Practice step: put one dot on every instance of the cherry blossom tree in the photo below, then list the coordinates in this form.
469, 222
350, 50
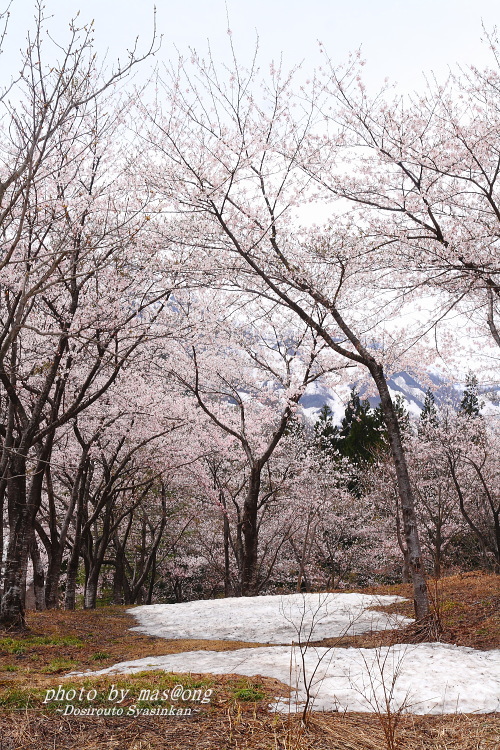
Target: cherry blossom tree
246, 378
421, 175
77, 298
470, 449
440, 521
108, 489
164, 307
230, 156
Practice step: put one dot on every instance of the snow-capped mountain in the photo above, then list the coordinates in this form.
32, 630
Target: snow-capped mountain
406, 385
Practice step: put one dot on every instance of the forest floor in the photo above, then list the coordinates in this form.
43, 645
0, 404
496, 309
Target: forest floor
236, 711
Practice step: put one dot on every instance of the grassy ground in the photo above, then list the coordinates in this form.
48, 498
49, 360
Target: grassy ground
226, 712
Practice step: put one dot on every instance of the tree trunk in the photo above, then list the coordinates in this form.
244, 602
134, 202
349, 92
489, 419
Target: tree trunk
227, 569
12, 612
152, 580
90, 599
71, 576
58, 538
405, 573
23, 507
38, 575
118, 575
414, 553
250, 533
74, 559
53, 575
92, 579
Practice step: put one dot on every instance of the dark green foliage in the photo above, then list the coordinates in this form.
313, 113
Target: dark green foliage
325, 432
469, 404
361, 433
429, 415
401, 414
361, 437
358, 440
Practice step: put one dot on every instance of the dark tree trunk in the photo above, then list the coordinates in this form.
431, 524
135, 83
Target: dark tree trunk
90, 600
23, 508
12, 613
438, 552
118, 576
152, 580
250, 533
38, 575
414, 553
74, 559
405, 574
58, 537
71, 576
92, 578
147, 563
227, 567
53, 576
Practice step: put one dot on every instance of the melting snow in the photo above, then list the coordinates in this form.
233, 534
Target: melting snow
426, 678
430, 678
268, 619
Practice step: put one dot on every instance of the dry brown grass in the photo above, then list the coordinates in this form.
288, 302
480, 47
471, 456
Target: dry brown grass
248, 729
469, 609
468, 606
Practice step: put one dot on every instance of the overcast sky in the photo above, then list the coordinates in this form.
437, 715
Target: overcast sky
399, 38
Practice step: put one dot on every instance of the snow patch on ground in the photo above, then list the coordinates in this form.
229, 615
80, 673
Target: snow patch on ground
269, 619
429, 678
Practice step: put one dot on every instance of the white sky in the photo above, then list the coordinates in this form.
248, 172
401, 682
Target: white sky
399, 38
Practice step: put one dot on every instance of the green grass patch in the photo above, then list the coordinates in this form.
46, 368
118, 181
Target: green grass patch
249, 692
20, 646
57, 666
17, 698
144, 689
16, 650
